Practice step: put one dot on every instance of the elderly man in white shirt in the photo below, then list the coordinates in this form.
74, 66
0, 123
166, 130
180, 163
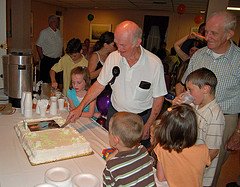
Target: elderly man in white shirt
139, 86
49, 47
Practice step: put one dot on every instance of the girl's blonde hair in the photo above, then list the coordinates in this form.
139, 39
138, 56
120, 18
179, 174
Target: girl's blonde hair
86, 76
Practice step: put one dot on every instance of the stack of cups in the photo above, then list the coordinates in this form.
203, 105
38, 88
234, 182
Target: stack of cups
22, 102
28, 105
53, 105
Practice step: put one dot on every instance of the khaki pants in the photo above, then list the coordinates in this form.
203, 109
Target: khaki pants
230, 126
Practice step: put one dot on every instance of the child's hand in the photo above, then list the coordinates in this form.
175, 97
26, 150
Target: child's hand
54, 85
109, 153
97, 114
177, 100
71, 107
185, 97
112, 155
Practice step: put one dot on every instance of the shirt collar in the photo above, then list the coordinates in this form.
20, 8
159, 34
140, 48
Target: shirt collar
129, 152
228, 54
140, 61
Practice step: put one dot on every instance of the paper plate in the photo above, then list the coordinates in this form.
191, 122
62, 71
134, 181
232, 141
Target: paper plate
45, 185
83, 180
58, 176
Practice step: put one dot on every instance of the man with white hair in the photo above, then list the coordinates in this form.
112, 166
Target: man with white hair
49, 47
221, 56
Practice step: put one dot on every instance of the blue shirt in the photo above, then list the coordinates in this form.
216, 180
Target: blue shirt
71, 94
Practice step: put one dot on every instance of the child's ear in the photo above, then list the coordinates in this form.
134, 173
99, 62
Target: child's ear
116, 140
206, 89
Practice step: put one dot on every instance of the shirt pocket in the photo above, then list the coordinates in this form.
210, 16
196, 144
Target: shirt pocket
141, 94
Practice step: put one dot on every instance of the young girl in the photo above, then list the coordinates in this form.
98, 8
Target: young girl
78, 89
180, 161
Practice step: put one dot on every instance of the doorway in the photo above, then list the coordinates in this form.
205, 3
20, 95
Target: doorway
154, 31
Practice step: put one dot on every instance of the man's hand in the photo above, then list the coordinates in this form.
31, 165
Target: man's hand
146, 131
74, 114
234, 142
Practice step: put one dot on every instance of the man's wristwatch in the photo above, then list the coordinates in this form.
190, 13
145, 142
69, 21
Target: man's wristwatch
238, 131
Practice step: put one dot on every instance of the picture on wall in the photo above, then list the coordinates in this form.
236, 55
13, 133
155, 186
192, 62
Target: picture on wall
97, 29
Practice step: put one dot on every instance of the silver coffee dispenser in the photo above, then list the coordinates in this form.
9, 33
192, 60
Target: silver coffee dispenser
18, 76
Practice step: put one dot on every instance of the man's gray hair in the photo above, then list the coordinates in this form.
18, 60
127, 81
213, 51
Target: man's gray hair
230, 20
52, 17
137, 34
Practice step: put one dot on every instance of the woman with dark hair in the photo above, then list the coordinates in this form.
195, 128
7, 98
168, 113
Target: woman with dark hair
185, 48
103, 47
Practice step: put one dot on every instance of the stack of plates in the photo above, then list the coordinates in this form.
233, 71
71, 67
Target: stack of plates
58, 176
83, 180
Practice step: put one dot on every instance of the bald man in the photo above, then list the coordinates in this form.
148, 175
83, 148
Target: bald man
140, 86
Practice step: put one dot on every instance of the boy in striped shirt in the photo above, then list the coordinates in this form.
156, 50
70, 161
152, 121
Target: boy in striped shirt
130, 163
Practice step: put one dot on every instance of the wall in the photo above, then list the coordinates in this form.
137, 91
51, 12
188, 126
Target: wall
76, 24
80, 26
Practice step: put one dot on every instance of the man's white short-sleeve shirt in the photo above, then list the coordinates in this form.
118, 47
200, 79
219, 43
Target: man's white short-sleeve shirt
127, 94
51, 42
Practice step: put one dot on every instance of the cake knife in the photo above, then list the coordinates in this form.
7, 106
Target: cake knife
65, 124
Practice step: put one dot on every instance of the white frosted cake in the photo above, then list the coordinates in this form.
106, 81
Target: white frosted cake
44, 142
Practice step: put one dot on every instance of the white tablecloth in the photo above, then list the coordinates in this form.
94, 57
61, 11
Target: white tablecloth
16, 170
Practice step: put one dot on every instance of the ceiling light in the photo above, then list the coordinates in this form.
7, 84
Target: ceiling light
228, 8
233, 8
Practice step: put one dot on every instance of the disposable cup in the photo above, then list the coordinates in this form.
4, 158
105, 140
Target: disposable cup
28, 101
43, 109
187, 98
61, 104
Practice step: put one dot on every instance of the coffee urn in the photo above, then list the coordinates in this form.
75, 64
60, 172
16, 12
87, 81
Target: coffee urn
18, 76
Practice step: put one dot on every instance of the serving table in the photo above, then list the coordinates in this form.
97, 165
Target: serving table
15, 168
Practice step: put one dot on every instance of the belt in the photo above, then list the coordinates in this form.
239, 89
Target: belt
144, 112
51, 57
229, 114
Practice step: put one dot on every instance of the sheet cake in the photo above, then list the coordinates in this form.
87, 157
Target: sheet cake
44, 141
